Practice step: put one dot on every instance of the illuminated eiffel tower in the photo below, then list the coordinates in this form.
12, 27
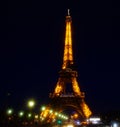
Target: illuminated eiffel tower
60, 99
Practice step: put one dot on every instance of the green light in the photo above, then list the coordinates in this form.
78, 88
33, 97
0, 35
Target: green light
59, 122
59, 115
9, 111
43, 108
21, 113
29, 115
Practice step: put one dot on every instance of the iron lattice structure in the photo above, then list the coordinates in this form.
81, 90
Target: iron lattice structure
60, 99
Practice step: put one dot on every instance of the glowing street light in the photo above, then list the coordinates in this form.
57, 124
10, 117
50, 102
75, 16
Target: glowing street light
31, 103
51, 111
21, 113
70, 125
29, 115
9, 111
43, 108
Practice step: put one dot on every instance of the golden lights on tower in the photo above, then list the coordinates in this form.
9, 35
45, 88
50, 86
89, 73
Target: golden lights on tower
86, 110
76, 88
69, 76
58, 89
68, 55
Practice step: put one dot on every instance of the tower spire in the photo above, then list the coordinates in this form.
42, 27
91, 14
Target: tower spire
68, 12
68, 55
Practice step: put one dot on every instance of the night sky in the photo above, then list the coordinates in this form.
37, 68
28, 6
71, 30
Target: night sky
32, 51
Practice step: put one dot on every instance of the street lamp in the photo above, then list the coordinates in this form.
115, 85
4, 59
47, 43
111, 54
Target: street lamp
31, 103
10, 111
21, 113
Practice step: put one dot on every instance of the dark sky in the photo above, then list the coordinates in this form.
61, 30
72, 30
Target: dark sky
32, 50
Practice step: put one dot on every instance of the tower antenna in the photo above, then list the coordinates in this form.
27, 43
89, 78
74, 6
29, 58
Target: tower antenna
68, 12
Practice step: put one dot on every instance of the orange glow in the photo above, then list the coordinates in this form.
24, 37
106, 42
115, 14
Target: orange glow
45, 113
58, 89
68, 76
86, 110
68, 55
75, 116
76, 88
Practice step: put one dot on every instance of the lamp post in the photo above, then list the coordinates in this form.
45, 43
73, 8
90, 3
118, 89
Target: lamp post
31, 103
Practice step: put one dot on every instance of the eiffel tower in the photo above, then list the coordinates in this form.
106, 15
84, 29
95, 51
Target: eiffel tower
60, 99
